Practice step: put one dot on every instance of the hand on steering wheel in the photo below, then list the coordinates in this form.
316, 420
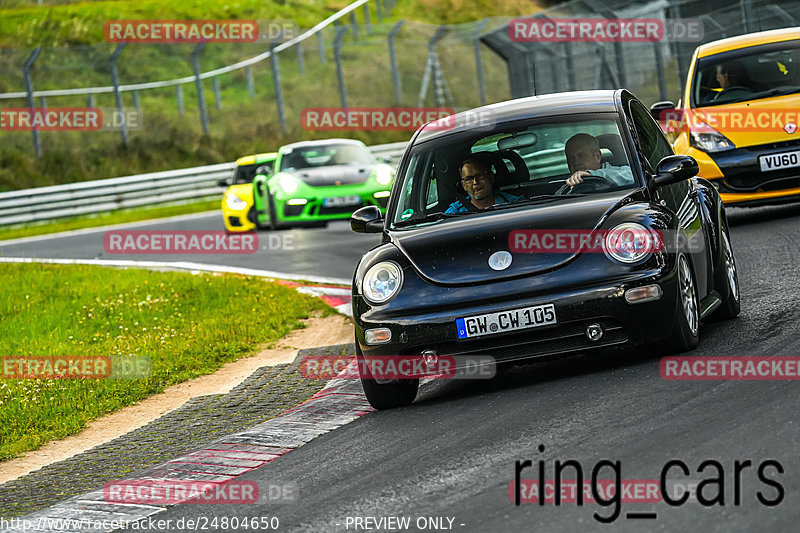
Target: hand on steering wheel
590, 181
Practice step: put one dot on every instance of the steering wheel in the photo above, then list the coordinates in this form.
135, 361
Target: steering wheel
738, 88
733, 90
590, 183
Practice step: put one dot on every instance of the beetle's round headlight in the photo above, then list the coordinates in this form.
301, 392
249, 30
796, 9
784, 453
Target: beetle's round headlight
630, 242
234, 203
382, 281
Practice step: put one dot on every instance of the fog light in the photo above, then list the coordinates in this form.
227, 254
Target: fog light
378, 335
430, 357
297, 201
382, 194
594, 332
647, 293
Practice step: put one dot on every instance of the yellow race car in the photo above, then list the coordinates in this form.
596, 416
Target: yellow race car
739, 116
237, 202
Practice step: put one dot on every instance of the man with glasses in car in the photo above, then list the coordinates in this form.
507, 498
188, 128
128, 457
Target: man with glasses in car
478, 180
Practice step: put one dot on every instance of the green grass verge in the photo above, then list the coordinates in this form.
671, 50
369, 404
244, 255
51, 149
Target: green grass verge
82, 22
105, 219
188, 325
25, 24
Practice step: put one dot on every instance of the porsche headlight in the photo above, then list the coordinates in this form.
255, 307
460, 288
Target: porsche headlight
383, 175
630, 242
234, 203
382, 281
288, 183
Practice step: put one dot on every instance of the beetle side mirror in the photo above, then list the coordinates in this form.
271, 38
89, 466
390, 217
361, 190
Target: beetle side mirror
223, 182
675, 168
367, 220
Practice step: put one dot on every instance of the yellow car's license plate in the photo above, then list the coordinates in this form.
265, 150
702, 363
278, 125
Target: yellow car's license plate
779, 161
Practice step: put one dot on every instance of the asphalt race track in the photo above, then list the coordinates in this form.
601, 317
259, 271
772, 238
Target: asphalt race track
452, 454
327, 252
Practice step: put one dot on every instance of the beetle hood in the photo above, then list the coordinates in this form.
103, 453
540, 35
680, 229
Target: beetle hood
457, 251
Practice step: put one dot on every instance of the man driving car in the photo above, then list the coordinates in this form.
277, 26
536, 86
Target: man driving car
478, 180
584, 158
729, 75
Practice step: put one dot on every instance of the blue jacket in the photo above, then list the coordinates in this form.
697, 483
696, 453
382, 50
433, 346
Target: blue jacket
500, 197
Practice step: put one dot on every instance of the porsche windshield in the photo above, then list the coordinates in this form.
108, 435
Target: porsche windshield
244, 174
748, 74
323, 155
513, 166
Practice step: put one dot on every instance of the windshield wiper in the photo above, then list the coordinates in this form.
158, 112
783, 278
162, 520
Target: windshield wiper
776, 92
531, 200
439, 215
754, 96
430, 217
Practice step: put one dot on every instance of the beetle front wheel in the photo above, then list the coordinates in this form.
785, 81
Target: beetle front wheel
385, 395
685, 331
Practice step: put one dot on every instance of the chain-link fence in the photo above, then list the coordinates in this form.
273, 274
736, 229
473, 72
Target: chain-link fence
364, 58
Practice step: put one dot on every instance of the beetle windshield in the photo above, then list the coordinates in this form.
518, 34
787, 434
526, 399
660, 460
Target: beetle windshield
748, 74
324, 155
510, 166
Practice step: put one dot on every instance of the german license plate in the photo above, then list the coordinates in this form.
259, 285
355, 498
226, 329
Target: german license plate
341, 201
779, 161
512, 320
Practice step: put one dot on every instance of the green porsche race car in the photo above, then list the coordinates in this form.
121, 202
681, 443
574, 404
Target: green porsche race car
313, 182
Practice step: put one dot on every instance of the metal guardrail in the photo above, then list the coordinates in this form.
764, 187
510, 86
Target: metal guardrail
100, 196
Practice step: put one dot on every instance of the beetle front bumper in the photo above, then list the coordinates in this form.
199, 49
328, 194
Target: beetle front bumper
576, 309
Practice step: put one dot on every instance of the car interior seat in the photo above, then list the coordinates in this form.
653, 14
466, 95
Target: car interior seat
612, 150
519, 174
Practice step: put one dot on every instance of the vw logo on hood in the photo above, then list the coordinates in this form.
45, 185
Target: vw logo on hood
500, 260
790, 127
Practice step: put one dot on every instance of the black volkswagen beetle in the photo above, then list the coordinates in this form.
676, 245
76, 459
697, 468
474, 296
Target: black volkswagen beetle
479, 252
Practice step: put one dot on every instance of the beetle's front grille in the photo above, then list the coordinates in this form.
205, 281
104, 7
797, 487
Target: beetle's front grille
568, 337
